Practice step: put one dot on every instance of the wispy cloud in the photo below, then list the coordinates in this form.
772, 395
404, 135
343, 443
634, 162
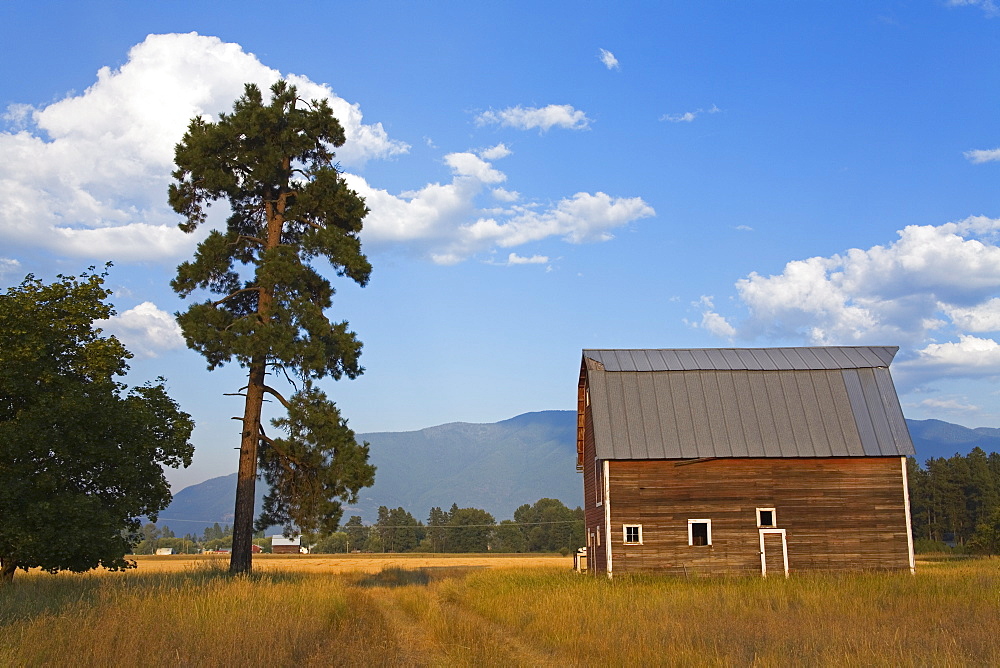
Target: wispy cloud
979, 156
608, 59
515, 259
543, 118
8, 267
950, 405
989, 7
689, 116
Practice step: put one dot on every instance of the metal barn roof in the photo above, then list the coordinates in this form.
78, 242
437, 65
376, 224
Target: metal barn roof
743, 359
745, 402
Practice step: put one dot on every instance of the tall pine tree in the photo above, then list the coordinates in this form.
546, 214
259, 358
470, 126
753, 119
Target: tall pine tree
273, 164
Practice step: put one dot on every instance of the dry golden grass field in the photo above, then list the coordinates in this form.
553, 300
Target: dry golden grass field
494, 610
350, 563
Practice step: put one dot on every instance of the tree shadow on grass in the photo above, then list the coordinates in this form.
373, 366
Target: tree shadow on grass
402, 577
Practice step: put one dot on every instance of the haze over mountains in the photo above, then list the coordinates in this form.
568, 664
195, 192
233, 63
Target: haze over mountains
496, 466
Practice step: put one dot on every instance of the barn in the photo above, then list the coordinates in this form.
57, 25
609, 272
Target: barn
282, 545
743, 461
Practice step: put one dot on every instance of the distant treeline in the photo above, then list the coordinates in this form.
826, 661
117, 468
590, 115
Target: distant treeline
956, 500
545, 526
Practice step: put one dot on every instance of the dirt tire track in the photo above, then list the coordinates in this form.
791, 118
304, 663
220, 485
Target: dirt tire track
509, 648
415, 646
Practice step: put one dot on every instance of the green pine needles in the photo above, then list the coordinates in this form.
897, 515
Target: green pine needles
273, 164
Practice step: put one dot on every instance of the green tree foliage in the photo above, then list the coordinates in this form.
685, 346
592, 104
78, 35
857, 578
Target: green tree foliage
951, 498
273, 163
397, 530
986, 540
357, 533
470, 529
437, 534
549, 526
80, 453
508, 537
334, 543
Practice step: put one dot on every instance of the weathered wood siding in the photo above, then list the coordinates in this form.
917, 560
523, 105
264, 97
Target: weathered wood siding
594, 513
838, 513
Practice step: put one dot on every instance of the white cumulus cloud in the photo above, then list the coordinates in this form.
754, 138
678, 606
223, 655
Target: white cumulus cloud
931, 291
506, 195
968, 357
495, 152
87, 176
145, 330
608, 59
712, 321
543, 118
443, 221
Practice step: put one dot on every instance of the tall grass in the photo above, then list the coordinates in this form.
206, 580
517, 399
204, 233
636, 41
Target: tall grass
948, 614
198, 618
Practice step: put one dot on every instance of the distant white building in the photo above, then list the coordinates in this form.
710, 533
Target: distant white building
164, 550
282, 545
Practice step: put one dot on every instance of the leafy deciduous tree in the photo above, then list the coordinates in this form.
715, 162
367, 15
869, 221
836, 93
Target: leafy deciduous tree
273, 163
470, 529
80, 453
549, 526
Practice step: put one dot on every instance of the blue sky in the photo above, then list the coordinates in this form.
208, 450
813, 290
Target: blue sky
544, 177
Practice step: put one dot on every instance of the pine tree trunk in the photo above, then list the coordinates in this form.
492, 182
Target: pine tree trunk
241, 560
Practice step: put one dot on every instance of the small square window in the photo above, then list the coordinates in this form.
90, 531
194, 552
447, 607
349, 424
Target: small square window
767, 517
699, 532
632, 534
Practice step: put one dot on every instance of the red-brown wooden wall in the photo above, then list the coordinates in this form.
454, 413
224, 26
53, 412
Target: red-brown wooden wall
838, 513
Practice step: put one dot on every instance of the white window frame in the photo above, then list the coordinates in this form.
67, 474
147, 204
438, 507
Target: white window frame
625, 528
774, 518
597, 534
691, 523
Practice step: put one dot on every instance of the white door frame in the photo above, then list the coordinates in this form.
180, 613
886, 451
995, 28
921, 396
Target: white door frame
784, 550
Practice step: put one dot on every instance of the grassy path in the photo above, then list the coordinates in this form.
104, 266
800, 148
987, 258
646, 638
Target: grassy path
433, 627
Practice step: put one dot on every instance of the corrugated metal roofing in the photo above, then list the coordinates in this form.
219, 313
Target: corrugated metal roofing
749, 402
705, 359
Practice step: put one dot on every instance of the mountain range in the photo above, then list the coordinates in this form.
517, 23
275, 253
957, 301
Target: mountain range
497, 467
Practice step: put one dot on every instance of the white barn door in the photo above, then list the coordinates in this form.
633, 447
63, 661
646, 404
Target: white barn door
773, 552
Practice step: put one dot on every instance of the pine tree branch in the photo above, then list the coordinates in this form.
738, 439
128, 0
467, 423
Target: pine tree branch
277, 395
243, 237
233, 294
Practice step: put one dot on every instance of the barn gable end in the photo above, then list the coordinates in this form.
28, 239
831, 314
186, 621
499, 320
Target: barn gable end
683, 451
